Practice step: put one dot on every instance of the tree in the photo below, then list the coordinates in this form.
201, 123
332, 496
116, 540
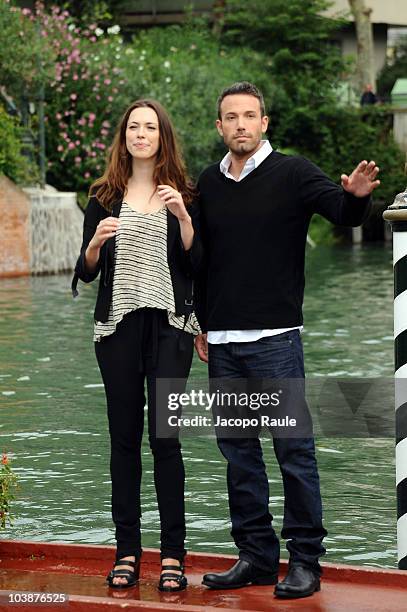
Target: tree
296, 40
364, 35
218, 11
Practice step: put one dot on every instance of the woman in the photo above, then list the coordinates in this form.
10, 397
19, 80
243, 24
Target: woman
139, 235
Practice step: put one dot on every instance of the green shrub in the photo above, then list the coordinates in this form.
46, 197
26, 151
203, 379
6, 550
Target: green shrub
8, 485
12, 163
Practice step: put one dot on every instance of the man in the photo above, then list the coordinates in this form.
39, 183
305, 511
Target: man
368, 97
255, 208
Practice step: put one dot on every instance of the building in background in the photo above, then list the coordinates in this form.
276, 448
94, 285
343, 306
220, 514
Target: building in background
389, 19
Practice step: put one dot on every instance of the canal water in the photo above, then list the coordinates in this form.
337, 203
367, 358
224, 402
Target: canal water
53, 424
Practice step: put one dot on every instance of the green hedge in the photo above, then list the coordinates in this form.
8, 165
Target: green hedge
12, 163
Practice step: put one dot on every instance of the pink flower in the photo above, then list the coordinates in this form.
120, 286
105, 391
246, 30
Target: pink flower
73, 96
71, 145
106, 124
107, 81
87, 175
82, 121
58, 116
78, 160
60, 148
92, 116
110, 98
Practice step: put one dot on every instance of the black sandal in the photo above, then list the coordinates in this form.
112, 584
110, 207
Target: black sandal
131, 576
170, 576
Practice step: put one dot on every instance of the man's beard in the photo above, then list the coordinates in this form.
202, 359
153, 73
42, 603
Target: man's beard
241, 149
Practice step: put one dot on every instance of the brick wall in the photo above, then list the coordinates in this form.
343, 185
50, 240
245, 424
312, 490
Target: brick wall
15, 230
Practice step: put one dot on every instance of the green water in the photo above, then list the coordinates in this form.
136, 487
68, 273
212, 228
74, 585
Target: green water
53, 424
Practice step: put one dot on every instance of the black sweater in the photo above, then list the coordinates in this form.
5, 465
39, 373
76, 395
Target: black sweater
254, 235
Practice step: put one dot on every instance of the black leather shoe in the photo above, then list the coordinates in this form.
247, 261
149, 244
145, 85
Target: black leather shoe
299, 582
241, 574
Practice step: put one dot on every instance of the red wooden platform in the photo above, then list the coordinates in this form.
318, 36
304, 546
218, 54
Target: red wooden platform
79, 571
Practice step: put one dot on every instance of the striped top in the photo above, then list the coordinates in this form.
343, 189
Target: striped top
141, 273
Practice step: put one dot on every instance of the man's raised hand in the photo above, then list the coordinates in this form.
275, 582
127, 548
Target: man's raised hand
363, 180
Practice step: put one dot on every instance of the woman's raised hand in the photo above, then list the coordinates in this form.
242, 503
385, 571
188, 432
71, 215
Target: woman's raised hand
174, 201
105, 230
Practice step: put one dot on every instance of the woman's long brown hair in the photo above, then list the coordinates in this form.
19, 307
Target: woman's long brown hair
169, 169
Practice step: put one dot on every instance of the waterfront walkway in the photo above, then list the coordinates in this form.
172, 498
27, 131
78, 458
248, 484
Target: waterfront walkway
79, 571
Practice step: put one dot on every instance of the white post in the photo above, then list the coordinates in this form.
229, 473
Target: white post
396, 215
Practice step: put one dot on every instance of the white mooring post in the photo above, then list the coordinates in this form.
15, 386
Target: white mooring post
396, 215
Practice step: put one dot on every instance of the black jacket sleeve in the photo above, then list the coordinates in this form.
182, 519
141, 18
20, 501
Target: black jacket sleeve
196, 252
199, 265
321, 195
90, 222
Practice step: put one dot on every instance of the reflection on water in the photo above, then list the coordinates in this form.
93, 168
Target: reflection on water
53, 416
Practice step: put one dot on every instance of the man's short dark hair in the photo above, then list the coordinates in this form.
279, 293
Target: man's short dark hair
243, 87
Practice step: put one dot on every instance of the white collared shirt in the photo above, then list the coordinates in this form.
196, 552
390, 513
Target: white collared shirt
251, 164
245, 335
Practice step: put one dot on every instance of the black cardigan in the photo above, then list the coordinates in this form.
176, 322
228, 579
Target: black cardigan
181, 263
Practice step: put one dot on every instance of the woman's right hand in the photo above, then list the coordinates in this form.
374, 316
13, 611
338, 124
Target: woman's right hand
106, 229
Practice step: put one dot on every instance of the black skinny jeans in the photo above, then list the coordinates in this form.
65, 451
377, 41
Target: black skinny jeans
143, 347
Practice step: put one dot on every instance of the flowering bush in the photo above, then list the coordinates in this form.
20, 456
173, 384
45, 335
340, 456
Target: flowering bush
79, 98
78, 69
26, 59
8, 483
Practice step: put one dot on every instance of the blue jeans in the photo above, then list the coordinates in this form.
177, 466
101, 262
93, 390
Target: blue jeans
272, 357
